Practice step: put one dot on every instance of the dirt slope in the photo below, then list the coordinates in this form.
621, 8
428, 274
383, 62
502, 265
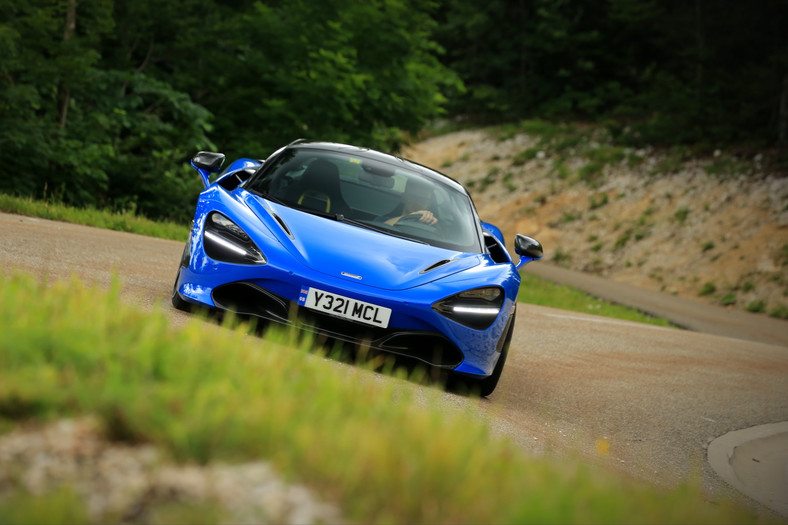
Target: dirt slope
721, 239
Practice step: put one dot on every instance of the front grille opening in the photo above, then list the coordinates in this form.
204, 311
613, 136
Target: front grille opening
342, 328
432, 349
249, 299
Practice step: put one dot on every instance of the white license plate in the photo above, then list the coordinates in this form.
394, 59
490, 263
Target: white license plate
345, 307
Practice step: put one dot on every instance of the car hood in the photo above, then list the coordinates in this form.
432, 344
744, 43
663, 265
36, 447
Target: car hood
356, 254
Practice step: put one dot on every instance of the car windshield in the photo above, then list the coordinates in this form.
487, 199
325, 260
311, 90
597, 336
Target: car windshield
367, 192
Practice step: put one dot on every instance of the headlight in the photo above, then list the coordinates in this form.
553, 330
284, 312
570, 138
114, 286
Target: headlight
475, 308
225, 241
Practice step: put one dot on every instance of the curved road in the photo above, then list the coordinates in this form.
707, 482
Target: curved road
644, 400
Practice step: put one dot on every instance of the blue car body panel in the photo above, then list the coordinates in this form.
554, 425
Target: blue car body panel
304, 250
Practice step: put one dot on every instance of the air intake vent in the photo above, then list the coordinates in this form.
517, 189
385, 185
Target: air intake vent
283, 225
436, 265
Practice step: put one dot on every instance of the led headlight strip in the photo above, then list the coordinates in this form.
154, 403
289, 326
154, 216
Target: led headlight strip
477, 308
225, 241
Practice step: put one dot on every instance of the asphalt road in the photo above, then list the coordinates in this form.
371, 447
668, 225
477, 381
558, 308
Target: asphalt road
574, 383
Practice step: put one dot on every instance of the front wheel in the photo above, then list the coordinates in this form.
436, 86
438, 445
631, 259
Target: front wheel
176, 299
177, 302
486, 386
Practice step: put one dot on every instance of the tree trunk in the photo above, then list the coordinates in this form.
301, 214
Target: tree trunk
64, 93
700, 50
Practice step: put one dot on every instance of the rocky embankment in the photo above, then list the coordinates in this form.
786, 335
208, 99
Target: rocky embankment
713, 230
124, 483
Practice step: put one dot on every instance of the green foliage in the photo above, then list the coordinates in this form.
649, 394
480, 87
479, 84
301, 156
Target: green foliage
77, 130
356, 73
60, 507
591, 173
728, 165
622, 240
707, 289
681, 215
560, 169
561, 257
780, 312
606, 154
671, 163
108, 114
659, 72
728, 299
569, 216
562, 141
524, 156
490, 178
756, 307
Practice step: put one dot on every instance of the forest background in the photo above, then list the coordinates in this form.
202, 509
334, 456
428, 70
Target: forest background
103, 102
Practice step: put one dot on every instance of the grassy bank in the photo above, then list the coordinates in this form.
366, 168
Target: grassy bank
119, 221
204, 395
538, 291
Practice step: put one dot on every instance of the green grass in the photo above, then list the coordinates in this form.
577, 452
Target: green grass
541, 292
118, 221
59, 507
202, 394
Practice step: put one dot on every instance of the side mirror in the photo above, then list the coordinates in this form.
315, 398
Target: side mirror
208, 161
527, 248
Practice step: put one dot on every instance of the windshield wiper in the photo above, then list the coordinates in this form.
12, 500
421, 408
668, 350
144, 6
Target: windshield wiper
361, 224
271, 198
347, 220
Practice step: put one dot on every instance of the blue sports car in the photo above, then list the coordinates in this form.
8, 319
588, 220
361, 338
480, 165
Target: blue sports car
361, 246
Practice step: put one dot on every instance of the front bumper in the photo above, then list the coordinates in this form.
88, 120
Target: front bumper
415, 330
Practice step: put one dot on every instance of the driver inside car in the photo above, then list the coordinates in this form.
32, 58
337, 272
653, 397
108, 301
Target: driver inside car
416, 200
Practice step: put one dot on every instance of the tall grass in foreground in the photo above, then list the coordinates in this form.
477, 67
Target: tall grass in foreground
204, 394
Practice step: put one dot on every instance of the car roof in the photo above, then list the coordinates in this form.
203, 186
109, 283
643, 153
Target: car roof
378, 156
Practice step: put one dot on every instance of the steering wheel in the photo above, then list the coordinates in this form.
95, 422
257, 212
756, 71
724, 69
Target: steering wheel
410, 225
413, 217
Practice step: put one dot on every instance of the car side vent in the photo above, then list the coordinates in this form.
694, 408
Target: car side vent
436, 265
283, 225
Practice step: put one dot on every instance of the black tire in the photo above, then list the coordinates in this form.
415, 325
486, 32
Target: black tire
487, 385
176, 299
177, 302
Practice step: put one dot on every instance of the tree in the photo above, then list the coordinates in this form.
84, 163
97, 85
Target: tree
102, 103
676, 71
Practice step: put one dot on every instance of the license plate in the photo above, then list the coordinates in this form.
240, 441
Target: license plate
345, 307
